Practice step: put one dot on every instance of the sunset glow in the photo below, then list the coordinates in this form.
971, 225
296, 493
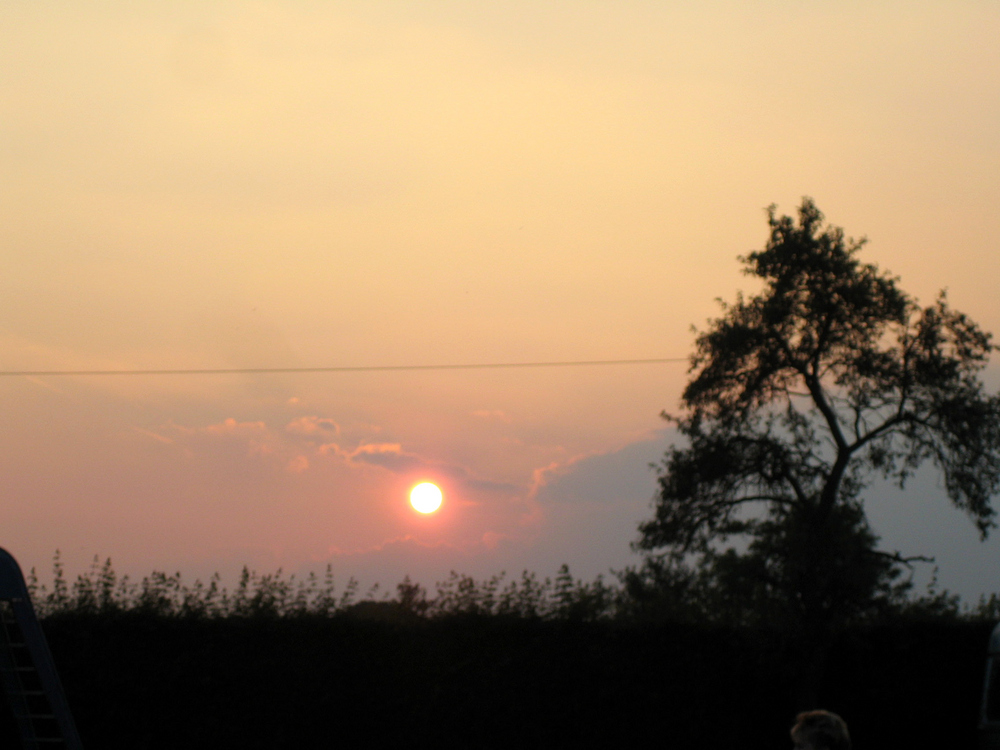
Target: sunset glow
425, 497
301, 184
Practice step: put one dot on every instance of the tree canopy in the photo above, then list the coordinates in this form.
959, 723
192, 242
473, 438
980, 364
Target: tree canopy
801, 395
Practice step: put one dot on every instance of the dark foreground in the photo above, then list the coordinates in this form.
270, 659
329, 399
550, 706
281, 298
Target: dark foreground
151, 682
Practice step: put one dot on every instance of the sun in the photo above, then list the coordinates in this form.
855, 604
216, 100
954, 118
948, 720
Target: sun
425, 497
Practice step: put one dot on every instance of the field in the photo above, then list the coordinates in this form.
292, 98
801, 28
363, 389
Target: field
370, 677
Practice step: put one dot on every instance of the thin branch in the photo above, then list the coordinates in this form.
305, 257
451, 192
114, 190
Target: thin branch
796, 488
779, 499
897, 557
883, 428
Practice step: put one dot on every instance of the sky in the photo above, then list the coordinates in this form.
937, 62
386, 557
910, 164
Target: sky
309, 184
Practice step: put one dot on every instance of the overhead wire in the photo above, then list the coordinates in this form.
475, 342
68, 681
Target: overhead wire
364, 368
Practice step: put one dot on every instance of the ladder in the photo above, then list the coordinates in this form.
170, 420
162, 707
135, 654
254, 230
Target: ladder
28, 676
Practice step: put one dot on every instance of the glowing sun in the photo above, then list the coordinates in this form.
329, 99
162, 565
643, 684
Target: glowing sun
425, 497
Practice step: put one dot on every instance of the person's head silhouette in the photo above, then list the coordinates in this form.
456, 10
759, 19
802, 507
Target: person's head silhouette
820, 730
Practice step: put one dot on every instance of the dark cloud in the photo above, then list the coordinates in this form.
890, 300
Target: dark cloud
397, 462
624, 474
392, 458
487, 486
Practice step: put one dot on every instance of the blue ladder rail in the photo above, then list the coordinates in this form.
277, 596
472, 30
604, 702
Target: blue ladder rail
27, 672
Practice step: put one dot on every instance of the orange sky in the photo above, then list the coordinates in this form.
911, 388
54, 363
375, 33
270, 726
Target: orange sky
269, 184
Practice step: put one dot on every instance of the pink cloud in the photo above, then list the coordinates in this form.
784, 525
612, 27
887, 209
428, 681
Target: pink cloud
257, 438
313, 426
539, 479
376, 448
232, 427
333, 449
154, 436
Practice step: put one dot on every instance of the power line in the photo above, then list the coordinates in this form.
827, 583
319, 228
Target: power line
373, 368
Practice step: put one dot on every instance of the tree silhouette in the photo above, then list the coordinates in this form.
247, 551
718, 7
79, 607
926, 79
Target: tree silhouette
799, 396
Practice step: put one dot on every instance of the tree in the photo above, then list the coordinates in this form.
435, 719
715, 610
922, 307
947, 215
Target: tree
800, 395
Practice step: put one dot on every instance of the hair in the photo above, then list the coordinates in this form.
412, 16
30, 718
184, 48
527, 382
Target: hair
822, 730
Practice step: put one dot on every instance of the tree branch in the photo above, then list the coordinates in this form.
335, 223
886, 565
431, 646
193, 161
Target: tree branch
897, 557
819, 398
